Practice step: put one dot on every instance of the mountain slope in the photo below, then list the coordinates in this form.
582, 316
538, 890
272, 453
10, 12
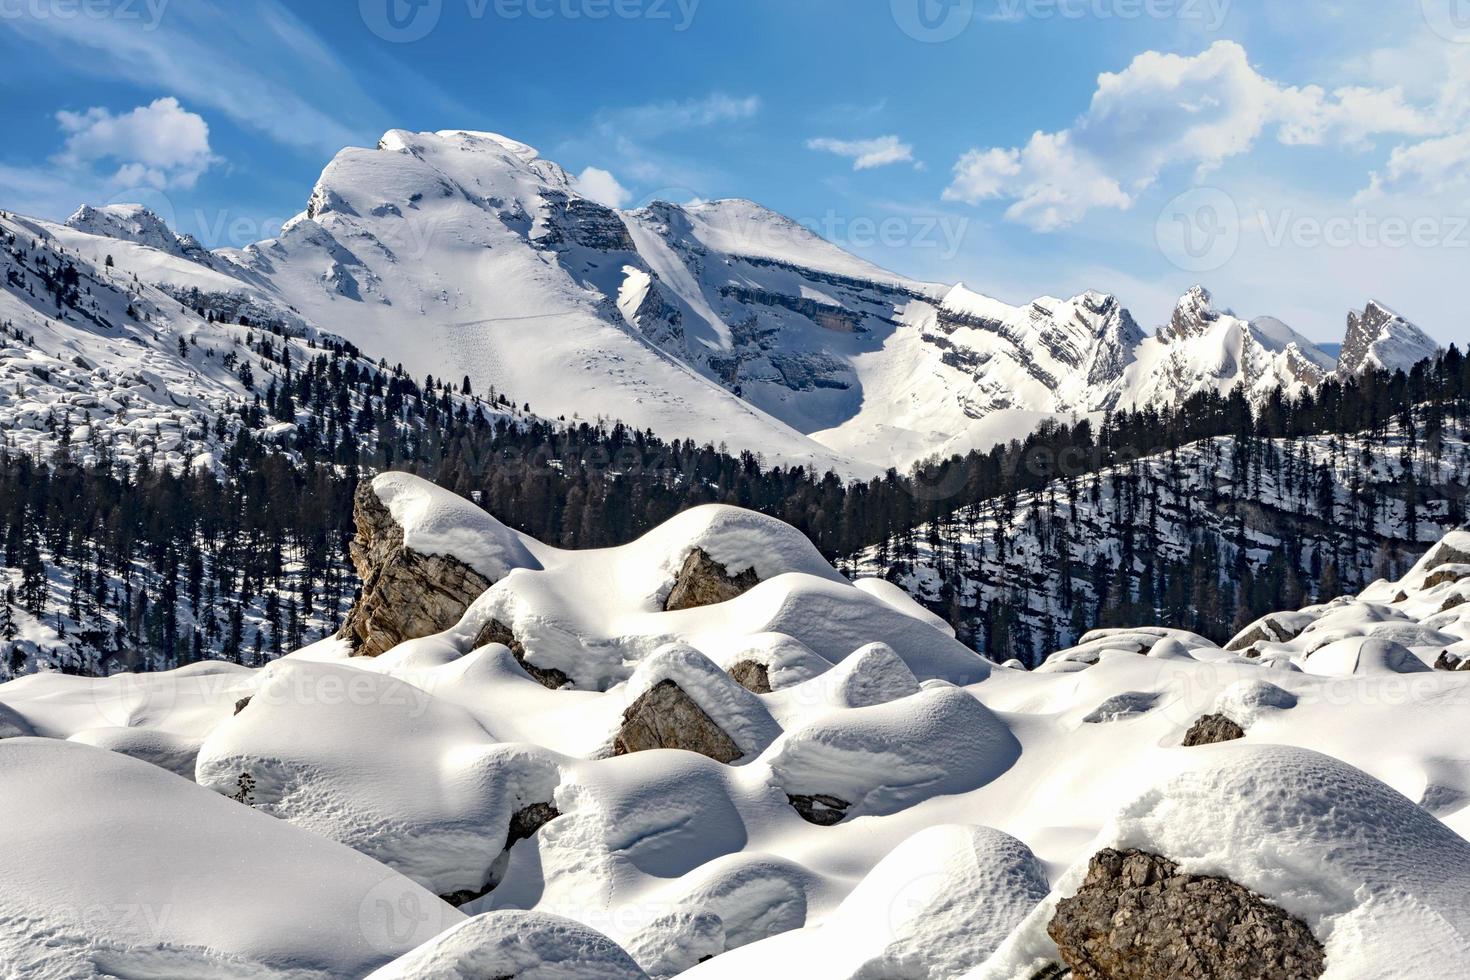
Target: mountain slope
467, 254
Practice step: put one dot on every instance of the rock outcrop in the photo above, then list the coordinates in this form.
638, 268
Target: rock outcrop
523, 826
1137, 917
405, 595
702, 581
752, 675
665, 717
822, 810
1211, 730
497, 632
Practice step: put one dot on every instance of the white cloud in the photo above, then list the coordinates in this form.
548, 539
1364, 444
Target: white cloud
867, 154
1167, 110
158, 145
263, 71
661, 118
601, 186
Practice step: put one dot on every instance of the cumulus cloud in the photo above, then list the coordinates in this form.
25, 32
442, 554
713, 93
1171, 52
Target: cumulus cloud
867, 154
158, 145
601, 186
1167, 110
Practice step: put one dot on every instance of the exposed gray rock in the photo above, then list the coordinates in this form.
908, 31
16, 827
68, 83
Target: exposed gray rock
523, 826
241, 705
1453, 602
1452, 661
1457, 572
752, 675
702, 581
497, 632
405, 595
664, 717
824, 811
1136, 917
1212, 729
1266, 631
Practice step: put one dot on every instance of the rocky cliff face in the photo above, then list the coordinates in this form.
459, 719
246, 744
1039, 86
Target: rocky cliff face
405, 595
1380, 338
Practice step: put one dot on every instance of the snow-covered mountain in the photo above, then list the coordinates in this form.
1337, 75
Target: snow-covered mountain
459, 253
1380, 338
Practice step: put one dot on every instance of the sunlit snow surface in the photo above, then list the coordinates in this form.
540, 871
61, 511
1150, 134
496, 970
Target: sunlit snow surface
977, 792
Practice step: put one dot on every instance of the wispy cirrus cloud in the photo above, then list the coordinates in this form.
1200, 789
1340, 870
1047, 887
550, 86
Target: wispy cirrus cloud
868, 154
261, 69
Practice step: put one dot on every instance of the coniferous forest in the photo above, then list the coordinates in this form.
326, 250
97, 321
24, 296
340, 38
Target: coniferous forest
112, 565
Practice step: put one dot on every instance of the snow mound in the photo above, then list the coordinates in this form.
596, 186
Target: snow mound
872, 675
899, 599
1357, 655
887, 757
12, 725
522, 945
437, 522
739, 713
128, 870
171, 752
377, 764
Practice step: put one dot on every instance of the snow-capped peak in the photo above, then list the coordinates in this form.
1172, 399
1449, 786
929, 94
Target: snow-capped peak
126, 222
1380, 338
1194, 315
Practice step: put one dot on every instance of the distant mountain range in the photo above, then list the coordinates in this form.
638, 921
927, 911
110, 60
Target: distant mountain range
462, 254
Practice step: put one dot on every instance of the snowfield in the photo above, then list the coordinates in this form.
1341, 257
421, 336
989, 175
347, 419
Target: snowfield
891, 805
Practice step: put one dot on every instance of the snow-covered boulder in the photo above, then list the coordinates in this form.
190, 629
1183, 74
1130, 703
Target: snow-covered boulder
873, 675
1363, 656
128, 870
679, 699
380, 765
1376, 880
519, 945
423, 555
887, 757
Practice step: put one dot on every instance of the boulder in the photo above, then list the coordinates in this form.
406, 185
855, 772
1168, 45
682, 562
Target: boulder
1447, 573
664, 717
702, 581
752, 675
822, 810
497, 632
523, 826
1211, 730
1268, 630
1137, 917
405, 594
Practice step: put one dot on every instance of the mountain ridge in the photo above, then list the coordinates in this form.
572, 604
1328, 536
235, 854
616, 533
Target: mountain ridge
468, 253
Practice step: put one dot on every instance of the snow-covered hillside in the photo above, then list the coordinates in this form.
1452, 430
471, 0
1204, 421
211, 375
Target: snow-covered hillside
1198, 533
706, 755
459, 253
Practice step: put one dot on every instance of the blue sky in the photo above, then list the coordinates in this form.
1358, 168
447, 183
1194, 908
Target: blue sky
1296, 158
